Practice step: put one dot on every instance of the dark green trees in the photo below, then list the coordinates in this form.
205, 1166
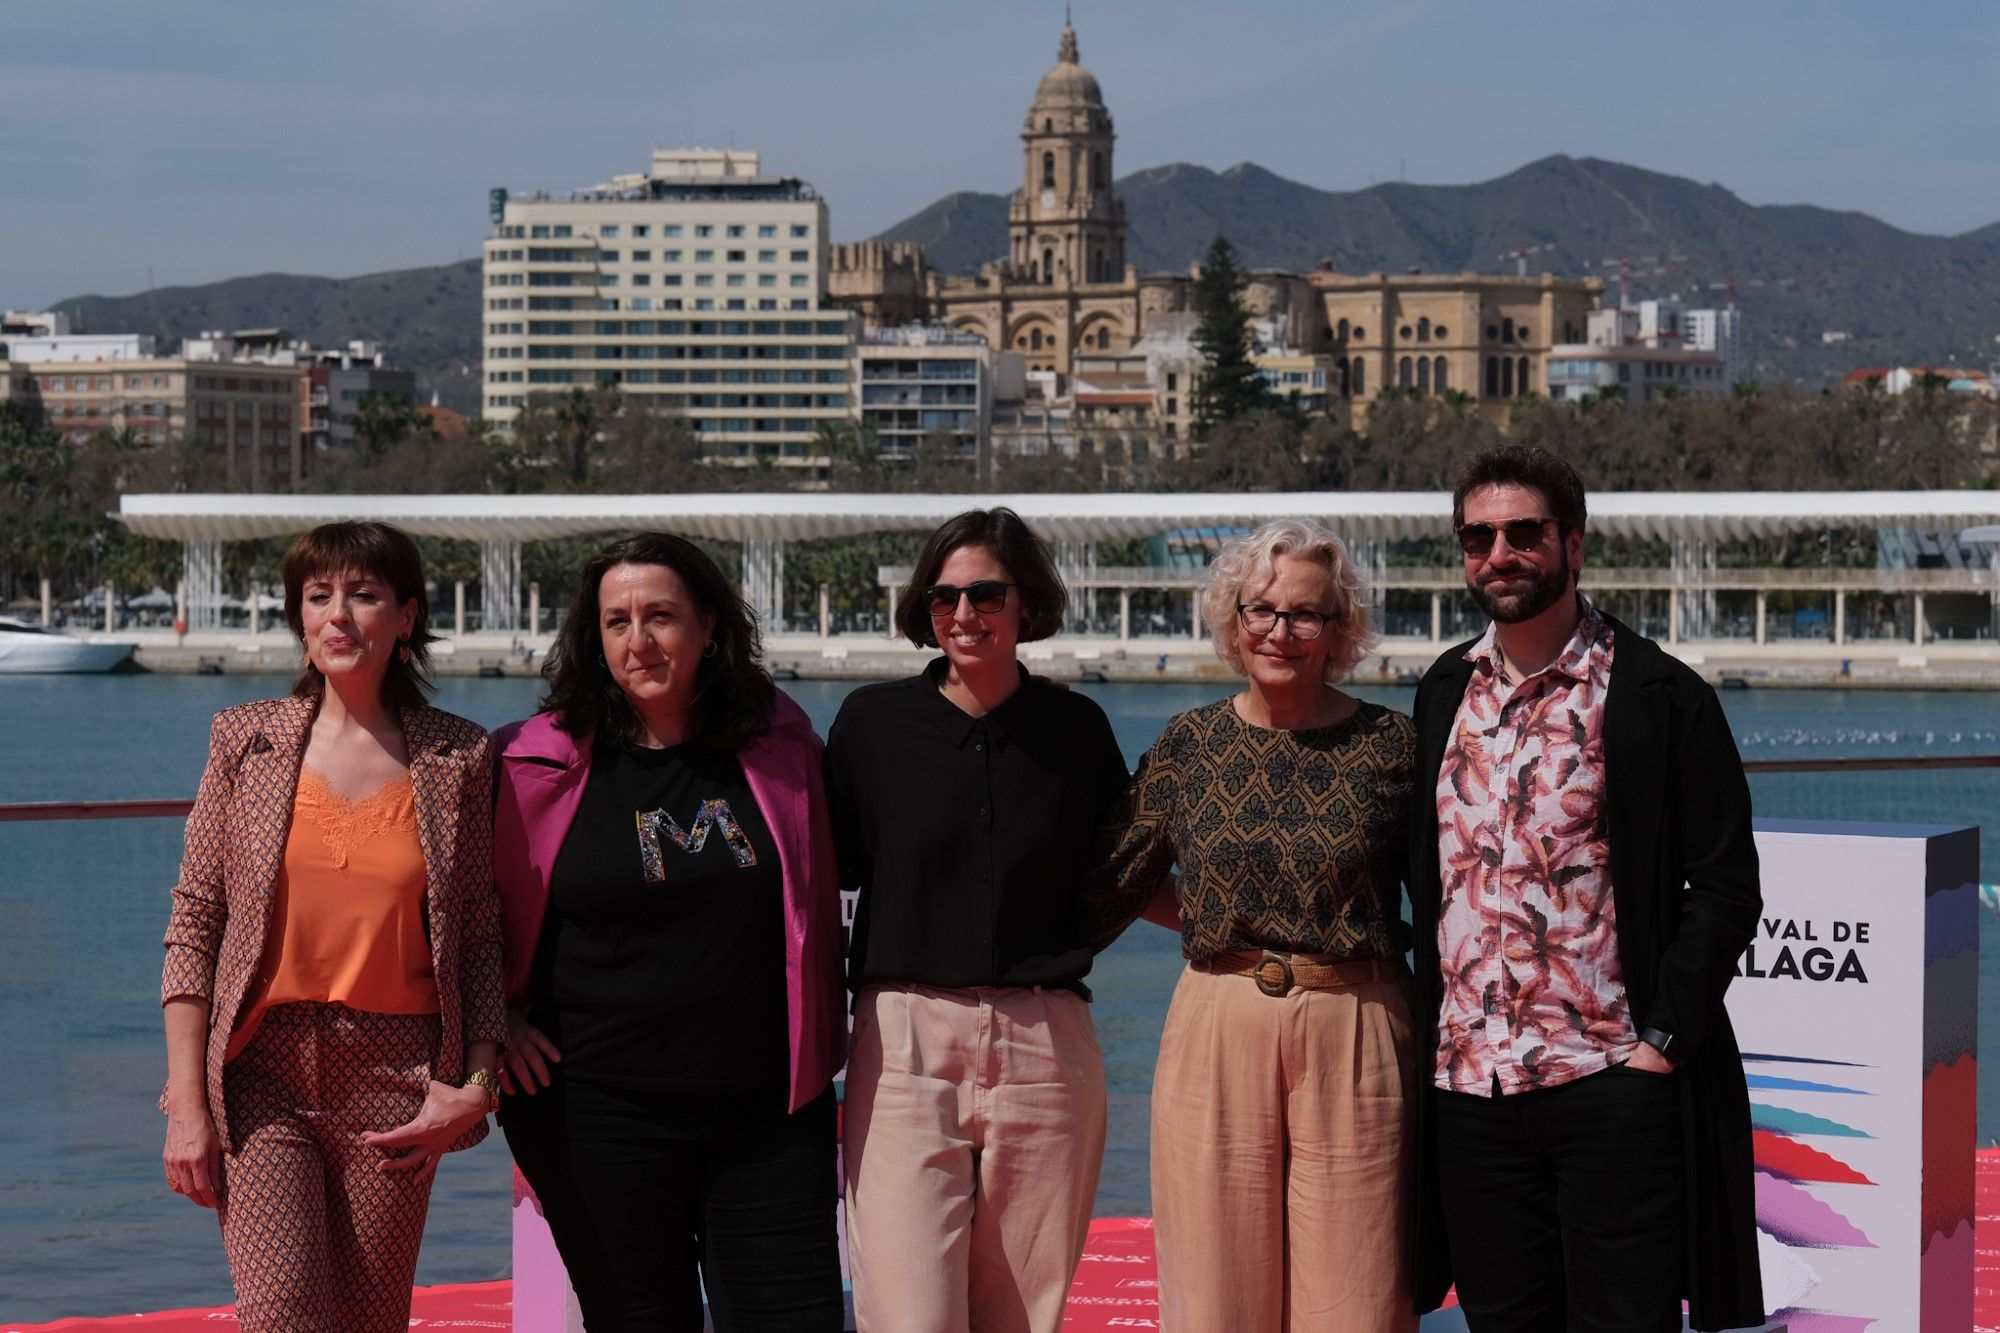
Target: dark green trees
1227, 387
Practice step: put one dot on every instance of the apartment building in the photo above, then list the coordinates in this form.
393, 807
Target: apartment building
1640, 351
698, 286
921, 382
248, 411
335, 383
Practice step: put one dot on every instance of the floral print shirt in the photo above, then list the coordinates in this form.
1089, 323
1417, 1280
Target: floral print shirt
1527, 933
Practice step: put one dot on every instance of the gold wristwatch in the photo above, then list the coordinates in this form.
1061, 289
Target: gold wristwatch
488, 1081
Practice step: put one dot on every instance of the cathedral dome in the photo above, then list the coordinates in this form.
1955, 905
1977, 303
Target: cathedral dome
1068, 84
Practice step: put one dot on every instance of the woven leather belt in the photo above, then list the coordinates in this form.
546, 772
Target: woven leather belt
1278, 973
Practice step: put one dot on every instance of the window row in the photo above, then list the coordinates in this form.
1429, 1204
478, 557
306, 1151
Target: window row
637, 375
1507, 376
1428, 375
765, 304
639, 231
873, 369
57, 411
668, 352
898, 394
698, 328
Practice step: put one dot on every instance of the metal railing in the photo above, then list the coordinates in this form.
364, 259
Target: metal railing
1402, 578
29, 812
37, 811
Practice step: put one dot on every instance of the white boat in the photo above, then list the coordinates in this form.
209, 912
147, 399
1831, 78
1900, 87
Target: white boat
27, 648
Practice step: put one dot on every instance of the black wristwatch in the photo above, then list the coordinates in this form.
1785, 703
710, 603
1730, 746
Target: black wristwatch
1657, 1039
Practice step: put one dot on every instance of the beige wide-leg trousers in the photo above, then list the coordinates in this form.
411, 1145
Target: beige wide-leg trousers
1281, 1155
973, 1133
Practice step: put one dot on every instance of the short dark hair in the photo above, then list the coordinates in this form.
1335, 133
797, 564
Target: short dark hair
1523, 465
733, 692
368, 550
1044, 599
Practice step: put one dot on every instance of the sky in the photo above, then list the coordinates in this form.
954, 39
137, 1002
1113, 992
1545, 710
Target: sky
184, 143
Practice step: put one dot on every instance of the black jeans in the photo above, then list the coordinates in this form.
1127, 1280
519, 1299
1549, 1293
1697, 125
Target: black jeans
646, 1214
1564, 1205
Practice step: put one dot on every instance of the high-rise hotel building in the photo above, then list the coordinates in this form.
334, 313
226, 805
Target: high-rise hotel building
700, 286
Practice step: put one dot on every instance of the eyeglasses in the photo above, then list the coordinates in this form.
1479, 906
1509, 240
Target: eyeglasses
1522, 534
986, 596
1264, 619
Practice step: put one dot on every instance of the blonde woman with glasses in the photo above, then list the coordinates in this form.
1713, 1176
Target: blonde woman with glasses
1281, 1101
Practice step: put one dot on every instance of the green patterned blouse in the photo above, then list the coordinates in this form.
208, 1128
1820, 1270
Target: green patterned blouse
1291, 840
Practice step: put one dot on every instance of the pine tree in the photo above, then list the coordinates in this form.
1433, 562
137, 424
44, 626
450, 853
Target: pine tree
1227, 387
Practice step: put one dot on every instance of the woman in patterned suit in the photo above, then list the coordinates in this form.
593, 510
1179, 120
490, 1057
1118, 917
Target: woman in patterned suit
332, 985
1281, 1111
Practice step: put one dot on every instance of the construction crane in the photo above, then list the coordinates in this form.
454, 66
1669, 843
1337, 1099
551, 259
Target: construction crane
1519, 254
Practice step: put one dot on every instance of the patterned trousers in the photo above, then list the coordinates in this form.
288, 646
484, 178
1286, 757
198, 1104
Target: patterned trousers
319, 1240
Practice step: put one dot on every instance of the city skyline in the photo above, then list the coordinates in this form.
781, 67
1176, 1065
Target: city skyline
237, 139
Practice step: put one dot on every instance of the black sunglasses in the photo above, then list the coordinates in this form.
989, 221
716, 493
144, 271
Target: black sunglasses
987, 596
1522, 534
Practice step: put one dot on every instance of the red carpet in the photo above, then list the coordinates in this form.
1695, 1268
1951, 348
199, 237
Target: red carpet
1114, 1288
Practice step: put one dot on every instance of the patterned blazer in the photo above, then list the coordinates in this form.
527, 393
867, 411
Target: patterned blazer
236, 846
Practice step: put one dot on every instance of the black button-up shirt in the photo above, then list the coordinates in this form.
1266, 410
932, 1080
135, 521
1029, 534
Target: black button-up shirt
969, 837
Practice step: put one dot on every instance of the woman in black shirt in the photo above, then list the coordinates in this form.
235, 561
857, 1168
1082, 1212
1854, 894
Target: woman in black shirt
671, 921
964, 803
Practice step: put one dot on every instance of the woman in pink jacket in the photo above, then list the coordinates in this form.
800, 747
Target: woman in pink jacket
672, 934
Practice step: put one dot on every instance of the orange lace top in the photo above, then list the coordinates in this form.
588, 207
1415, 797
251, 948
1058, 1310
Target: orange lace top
347, 912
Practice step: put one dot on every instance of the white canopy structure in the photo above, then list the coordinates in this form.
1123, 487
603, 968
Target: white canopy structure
1692, 524
797, 516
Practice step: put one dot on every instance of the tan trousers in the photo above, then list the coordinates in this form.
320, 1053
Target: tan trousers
1281, 1154
974, 1132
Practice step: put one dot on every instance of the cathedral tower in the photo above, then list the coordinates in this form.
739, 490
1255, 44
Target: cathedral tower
1065, 226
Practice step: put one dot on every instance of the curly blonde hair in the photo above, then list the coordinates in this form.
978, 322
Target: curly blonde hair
1251, 562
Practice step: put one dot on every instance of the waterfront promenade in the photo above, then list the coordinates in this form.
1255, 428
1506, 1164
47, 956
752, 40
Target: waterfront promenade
872, 655
1926, 616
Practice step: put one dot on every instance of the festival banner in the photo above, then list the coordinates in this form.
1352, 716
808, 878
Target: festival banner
1857, 1010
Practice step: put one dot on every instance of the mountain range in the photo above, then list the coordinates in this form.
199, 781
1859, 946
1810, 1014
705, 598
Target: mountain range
1822, 291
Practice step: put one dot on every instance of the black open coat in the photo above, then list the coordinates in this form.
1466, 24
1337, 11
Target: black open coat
1684, 879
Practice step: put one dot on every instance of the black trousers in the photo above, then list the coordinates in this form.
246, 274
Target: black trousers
646, 1212
1564, 1205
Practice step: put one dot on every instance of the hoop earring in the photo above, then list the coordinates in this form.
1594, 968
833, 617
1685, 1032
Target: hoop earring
709, 651
403, 650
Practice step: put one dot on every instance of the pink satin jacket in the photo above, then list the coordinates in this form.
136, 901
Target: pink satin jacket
541, 772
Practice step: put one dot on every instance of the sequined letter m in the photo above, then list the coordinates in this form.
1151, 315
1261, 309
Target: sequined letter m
654, 825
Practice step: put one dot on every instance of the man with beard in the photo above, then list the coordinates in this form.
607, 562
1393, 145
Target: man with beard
1582, 882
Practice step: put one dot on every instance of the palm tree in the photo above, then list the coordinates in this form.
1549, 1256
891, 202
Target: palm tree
577, 414
383, 420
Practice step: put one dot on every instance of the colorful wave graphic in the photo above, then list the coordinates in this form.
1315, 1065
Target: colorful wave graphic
1796, 1218
1791, 1160
1947, 1288
1949, 1138
1818, 1321
1773, 1083
1784, 1120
